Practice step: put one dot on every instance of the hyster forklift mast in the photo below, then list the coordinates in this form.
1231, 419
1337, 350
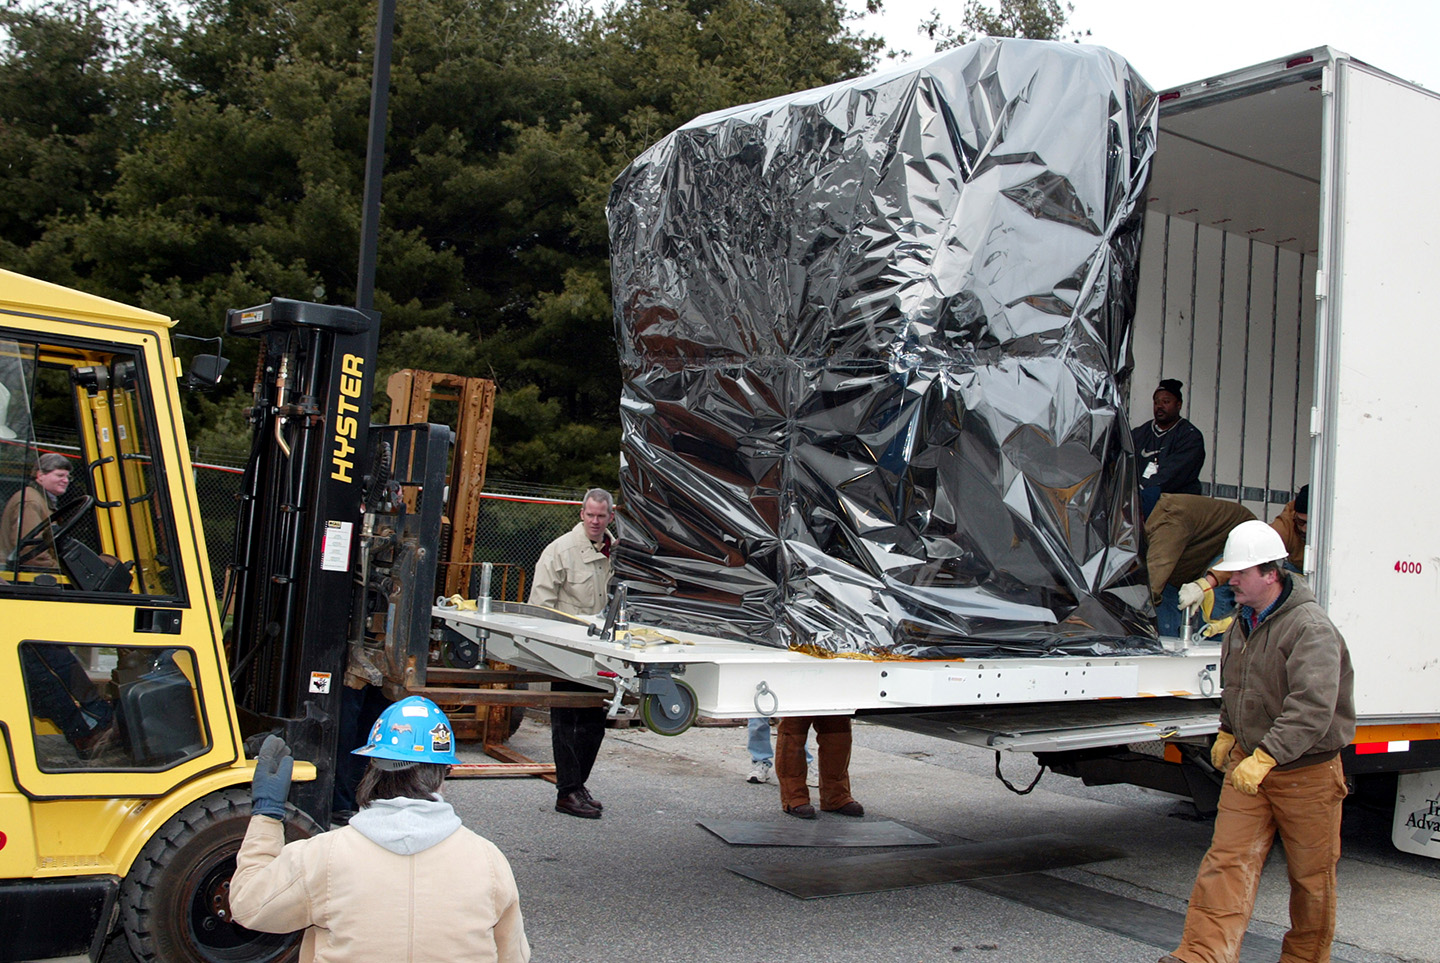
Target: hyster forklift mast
330, 566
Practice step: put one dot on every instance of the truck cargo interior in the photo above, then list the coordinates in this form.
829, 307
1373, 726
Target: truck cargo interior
1227, 279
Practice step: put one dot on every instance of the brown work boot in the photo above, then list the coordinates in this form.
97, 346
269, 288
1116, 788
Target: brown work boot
574, 804
802, 811
97, 742
852, 808
591, 799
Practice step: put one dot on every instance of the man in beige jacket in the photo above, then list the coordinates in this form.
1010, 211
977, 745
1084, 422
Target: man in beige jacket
573, 575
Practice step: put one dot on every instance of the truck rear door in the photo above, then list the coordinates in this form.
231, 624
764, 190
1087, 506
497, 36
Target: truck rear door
1377, 533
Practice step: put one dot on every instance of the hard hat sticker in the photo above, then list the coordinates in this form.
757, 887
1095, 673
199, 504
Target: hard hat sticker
420, 711
440, 738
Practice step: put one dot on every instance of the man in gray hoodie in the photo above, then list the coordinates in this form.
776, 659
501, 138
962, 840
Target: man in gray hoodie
383, 887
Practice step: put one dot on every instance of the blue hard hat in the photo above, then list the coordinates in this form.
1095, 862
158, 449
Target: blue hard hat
412, 730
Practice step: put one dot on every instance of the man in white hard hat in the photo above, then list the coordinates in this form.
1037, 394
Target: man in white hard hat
1287, 709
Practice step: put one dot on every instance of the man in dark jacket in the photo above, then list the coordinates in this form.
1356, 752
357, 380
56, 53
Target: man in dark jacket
1287, 709
1169, 451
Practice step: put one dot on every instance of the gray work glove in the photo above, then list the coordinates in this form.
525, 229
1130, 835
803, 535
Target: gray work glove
272, 778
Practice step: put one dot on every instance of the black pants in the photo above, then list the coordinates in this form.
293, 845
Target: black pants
575, 737
60, 690
359, 708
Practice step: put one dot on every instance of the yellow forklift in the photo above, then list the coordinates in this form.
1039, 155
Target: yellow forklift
125, 709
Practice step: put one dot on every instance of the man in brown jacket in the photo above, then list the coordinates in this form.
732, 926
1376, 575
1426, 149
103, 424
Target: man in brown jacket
1183, 535
1293, 523
1287, 709
23, 532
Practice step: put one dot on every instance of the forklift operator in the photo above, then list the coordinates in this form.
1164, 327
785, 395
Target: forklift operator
24, 533
56, 682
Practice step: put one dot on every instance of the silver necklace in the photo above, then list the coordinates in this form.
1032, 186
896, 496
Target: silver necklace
1157, 432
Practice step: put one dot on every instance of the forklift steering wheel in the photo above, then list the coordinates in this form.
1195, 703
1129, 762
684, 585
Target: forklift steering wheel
34, 541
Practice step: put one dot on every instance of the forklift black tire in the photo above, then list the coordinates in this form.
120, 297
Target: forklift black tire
670, 720
517, 713
174, 903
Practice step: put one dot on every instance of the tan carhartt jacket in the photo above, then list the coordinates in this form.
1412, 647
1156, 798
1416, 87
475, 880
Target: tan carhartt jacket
572, 575
1284, 523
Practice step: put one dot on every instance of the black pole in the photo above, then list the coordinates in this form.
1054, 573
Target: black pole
375, 158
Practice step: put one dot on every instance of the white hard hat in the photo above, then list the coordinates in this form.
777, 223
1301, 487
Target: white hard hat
1251, 543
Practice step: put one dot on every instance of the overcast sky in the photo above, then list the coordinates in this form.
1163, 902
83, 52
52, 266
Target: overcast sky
1172, 43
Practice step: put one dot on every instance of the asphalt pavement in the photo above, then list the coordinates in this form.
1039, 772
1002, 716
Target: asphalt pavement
646, 882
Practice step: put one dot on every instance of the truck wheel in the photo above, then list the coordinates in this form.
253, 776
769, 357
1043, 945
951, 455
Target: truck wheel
174, 903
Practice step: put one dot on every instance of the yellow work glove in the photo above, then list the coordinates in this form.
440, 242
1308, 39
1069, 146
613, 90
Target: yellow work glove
1220, 751
1191, 594
1250, 771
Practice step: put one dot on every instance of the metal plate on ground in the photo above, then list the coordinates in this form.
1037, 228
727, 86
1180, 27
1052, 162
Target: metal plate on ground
1118, 914
874, 873
815, 832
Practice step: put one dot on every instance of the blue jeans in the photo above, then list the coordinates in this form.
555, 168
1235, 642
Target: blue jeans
1167, 613
759, 742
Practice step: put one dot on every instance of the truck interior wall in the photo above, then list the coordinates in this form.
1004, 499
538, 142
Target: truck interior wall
1234, 319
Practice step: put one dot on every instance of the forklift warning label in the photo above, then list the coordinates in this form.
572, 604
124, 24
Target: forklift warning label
335, 554
320, 682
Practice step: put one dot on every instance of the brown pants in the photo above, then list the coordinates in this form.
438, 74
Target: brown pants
1304, 806
832, 733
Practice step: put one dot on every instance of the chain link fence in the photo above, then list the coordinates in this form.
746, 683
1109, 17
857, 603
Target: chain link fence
516, 522
513, 529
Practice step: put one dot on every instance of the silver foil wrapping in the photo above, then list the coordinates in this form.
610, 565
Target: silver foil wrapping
875, 350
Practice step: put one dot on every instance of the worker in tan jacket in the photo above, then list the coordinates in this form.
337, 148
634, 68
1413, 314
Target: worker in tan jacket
573, 576
1293, 524
382, 888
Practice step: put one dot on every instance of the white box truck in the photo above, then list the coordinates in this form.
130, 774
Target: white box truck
1285, 278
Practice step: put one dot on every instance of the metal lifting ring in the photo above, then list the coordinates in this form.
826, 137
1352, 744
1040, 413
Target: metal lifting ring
761, 691
1207, 683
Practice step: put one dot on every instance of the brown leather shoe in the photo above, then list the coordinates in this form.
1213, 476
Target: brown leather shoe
574, 804
802, 811
852, 808
591, 799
